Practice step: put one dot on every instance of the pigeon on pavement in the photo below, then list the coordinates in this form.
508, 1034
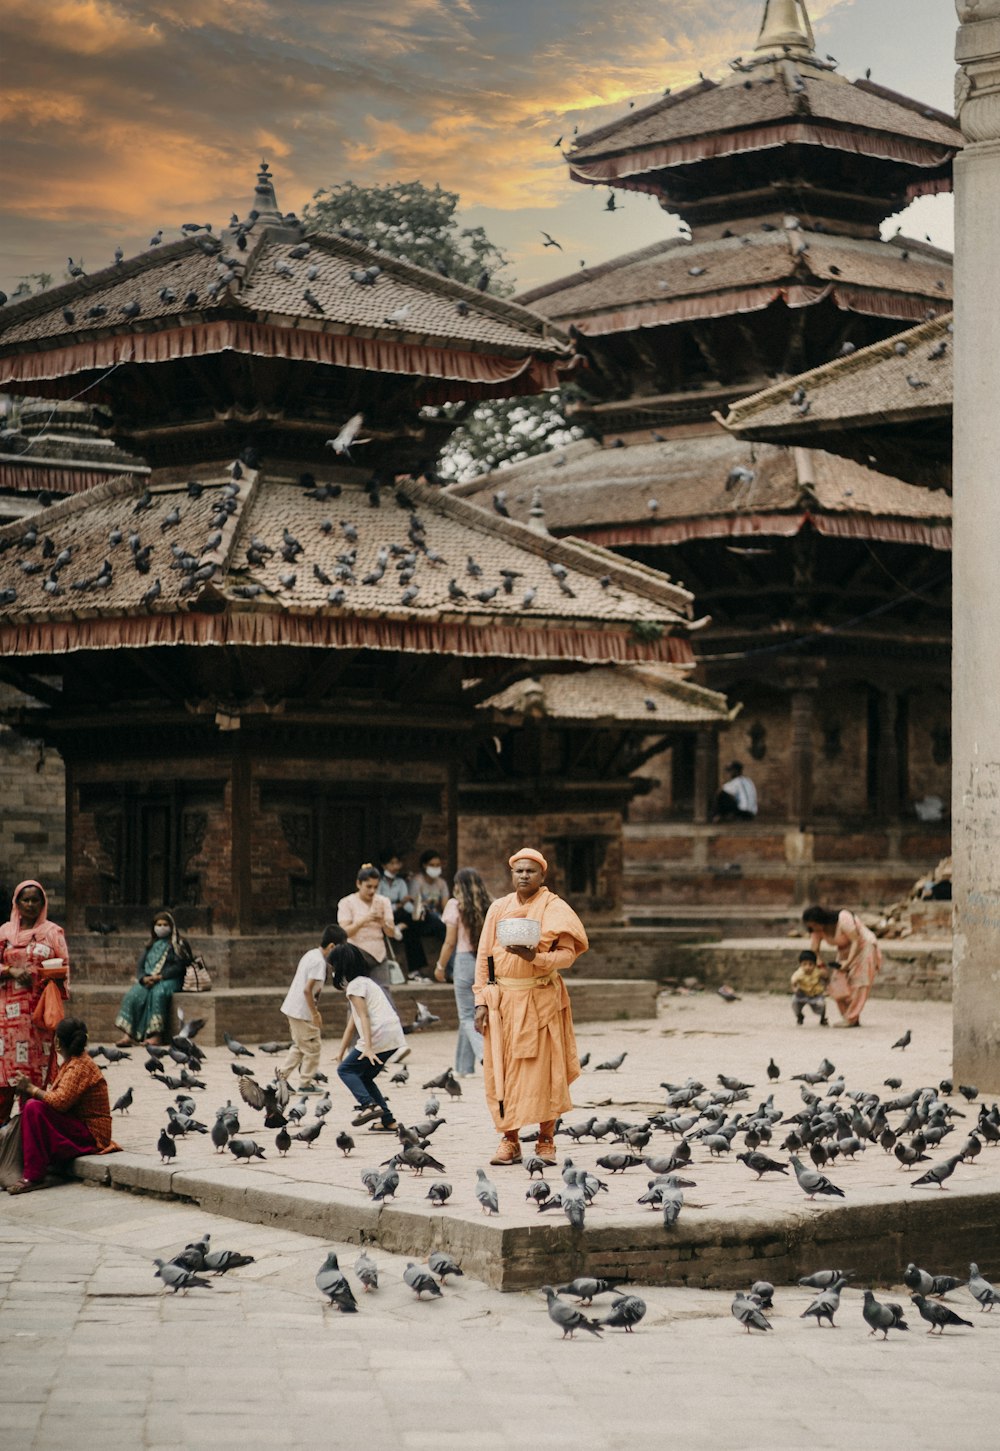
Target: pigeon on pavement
812, 1183
420, 1282
884, 1317
176, 1278
568, 1317
981, 1289
332, 1282
438, 1193
367, 1271
823, 1279
442, 1265
486, 1193
825, 1305
749, 1313
585, 1287
937, 1173
938, 1316
625, 1312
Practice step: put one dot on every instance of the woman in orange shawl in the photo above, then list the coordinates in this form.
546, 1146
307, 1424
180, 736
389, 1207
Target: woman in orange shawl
29, 946
530, 1048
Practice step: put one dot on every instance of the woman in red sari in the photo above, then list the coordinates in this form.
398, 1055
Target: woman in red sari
33, 952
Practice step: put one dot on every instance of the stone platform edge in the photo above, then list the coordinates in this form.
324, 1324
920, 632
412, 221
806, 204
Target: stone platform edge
876, 1236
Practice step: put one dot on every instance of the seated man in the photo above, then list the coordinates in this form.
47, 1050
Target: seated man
737, 799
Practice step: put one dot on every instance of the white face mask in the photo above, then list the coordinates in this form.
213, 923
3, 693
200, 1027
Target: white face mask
389, 876
432, 872
161, 930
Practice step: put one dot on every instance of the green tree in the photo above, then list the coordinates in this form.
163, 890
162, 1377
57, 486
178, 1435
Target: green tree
419, 224
414, 222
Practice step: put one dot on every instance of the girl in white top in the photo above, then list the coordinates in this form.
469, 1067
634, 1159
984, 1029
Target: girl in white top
379, 1031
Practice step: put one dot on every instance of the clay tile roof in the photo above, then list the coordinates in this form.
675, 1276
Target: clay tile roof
608, 492
609, 609
657, 285
649, 697
870, 384
774, 95
405, 302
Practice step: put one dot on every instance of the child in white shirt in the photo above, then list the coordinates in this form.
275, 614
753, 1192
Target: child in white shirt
380, 1036
301, 1008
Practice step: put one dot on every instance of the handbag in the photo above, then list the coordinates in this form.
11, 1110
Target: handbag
197, 978
49, 1011
11, 1159
839, 985
396, 974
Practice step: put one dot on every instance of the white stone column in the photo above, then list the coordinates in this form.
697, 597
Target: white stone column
976, 645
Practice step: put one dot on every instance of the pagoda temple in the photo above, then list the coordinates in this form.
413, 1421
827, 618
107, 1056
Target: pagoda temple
827, 581
282, 646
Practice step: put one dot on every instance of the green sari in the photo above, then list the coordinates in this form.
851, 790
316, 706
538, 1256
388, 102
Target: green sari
145, 1011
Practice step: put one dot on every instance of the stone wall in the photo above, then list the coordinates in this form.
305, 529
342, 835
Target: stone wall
487, 841
32, 790
918, 971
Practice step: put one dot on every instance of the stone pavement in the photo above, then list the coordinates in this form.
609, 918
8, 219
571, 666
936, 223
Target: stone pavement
93, 1353
729, 1219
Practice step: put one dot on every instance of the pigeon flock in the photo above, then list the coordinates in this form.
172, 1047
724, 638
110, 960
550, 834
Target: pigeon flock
805, 1152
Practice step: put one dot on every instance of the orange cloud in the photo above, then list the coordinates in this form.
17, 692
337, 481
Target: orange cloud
80, 27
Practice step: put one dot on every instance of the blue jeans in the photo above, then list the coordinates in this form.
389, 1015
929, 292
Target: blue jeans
469, 1046
358, 1075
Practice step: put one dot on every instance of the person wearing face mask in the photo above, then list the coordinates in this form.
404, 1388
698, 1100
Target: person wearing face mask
33, 952
429, 894
144, 1014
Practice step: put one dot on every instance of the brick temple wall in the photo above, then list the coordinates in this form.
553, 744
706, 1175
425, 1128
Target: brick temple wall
33, 834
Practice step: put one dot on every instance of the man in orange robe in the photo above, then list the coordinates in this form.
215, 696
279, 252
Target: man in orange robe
530, 1047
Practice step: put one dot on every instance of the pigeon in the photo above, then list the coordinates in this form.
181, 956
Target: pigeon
385, 1186
443, 1265
165, 1147
825, 1305
568, 1317
332, 1282
311, 1132
342, 443
420, 1282
813, 1183
938, 1315
612, 1064
980, 1289
344, 1143
124, 1103
176, 1278
221, 1261
618, 1163
245, 1149
282, 1141
823, 1279
486, 1193
773, 1071
904, 1041
625, 1313
748, 1313
236, 1047
671, 1202
438, 1193
881, 1317
937, 1173
761, 1164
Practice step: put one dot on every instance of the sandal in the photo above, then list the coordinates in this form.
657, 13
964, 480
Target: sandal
25, 1186
125, 1043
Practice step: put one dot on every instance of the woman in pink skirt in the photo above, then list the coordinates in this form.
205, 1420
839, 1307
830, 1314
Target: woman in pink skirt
859, 958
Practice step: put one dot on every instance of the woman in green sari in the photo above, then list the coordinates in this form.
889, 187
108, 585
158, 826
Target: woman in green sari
145, 1009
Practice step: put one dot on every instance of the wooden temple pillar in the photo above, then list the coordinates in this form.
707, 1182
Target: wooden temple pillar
802, 713
887, 774
706, 774
976, 624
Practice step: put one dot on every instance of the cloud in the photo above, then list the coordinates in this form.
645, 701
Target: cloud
76, 27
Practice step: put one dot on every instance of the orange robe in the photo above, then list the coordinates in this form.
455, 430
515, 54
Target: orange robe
540, 1059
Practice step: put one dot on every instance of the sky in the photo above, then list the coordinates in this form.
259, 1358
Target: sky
121, 117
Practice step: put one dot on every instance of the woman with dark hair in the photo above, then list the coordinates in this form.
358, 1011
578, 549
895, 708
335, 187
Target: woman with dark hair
367, 919
144, 1015
429, 895
70, 1118
374, 1021
33, 952
463, 917
859, 958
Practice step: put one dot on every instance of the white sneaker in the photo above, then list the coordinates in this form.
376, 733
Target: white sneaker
399, 1054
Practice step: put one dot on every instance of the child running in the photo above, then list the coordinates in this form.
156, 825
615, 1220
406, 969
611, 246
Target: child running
379, 1032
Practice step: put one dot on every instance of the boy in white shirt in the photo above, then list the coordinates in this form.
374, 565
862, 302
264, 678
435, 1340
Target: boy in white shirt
379, 1032
301, 1008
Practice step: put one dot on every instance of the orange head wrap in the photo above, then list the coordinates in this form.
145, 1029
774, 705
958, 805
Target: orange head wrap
532, 855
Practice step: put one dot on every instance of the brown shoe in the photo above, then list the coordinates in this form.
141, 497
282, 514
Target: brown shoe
508, 1152
545, 1150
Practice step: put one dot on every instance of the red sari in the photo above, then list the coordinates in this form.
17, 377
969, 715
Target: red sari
23, 1047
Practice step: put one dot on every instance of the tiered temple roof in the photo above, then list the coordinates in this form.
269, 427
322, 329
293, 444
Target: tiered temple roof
888, 405
646, 697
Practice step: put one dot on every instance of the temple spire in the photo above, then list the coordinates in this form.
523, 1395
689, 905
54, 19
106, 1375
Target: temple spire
265, 202
785, 26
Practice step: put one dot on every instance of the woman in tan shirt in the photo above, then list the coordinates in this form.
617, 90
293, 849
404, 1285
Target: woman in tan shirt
367, 919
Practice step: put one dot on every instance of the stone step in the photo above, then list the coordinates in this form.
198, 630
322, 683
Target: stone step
916, 969
253, 1014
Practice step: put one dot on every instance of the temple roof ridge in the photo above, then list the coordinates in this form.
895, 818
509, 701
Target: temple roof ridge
785, 26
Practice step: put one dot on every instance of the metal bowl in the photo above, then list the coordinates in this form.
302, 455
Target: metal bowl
519, 932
